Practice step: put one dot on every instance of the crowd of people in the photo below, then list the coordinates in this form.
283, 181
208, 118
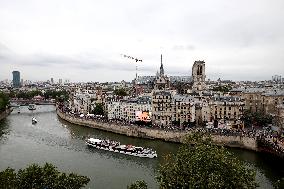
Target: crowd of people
267, 137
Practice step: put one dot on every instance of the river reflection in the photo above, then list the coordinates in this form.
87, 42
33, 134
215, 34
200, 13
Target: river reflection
56, 141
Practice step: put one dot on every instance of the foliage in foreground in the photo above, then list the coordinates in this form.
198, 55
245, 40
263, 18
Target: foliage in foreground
204, 165
4, 101
140, 184
279, 184
38, 177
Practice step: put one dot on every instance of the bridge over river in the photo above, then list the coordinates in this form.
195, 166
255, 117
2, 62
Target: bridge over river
20, 102
56, 141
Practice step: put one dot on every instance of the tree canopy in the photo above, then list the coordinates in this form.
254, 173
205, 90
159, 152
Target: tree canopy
120, 92
60, 95
98, 110
4, 101
256, 118
223, 89
201, 164
37, 177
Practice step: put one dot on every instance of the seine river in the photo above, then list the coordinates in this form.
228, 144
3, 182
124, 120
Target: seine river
62, 144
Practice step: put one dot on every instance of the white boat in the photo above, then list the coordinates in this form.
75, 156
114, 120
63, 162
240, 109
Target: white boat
34, 120
32, 107
114, 146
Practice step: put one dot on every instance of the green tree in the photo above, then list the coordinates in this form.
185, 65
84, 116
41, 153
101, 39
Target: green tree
4, 101
223, 89
120, 92
98, 110
201, 164
256, 118
140, 184
38, 177
28, 94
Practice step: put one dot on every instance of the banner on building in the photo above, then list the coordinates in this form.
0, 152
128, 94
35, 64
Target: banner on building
143, 116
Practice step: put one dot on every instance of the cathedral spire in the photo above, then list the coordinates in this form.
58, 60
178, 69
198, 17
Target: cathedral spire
161, 67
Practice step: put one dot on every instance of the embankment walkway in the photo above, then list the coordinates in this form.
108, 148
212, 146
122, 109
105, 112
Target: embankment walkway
172, 136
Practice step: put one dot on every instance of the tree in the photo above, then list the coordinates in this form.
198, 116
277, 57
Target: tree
4, 101
38, 177
98, 110
223, 89
120, 92
140, 184
201, 164
256, 118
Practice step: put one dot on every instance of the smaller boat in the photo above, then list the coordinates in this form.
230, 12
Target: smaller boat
31, 107
34, 120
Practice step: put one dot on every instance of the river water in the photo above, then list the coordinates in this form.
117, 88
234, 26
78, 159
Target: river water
62, 144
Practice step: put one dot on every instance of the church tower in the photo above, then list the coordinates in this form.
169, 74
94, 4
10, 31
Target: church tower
161, 82
162, 67
198, 76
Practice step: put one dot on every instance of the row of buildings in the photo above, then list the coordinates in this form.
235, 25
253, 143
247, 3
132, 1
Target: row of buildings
180, 100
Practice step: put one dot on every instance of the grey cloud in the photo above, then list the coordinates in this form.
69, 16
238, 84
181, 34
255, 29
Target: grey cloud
183, 47
5, 52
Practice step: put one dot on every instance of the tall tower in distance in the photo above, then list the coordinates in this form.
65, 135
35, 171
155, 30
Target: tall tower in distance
16, 79
162, 67
198, 76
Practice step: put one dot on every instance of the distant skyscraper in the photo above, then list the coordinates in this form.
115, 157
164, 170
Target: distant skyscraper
60, 81
51, 81
16, 79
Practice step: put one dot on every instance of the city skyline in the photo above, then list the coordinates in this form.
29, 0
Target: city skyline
84, 41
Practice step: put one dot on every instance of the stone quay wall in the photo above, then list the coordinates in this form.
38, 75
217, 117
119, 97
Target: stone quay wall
5, 113
171, 136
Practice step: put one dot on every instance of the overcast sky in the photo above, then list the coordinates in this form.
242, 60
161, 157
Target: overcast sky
83, 40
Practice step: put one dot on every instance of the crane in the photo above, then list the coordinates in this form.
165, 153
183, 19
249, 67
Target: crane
133, 58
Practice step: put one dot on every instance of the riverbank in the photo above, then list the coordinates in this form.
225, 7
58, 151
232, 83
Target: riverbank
149, 133
4, 114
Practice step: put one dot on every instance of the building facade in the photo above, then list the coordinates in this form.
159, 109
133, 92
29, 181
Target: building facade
162, 108
126, 110
226, 111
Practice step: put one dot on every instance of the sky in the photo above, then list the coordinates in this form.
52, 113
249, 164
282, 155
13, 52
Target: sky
85, 40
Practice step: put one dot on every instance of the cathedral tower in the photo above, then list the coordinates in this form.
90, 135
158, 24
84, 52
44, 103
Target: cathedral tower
162, 67
198, 76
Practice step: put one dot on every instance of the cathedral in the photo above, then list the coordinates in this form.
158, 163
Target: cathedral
197, 84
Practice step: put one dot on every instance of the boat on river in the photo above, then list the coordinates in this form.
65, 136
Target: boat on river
34, 120
32, 107
114, 146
